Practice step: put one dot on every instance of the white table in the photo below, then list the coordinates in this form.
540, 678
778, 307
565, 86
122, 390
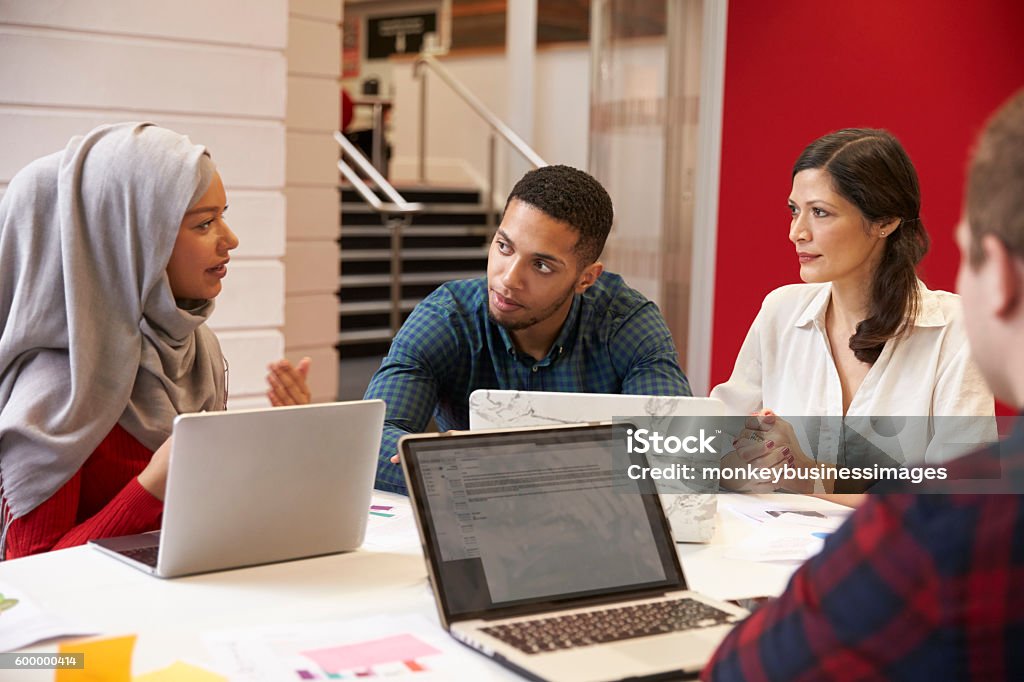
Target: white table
169, 616
710, 571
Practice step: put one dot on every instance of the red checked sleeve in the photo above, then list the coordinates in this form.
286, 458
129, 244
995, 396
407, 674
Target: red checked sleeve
102, 499
913, 586
867, 602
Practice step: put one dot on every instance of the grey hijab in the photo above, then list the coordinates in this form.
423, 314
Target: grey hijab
92, 335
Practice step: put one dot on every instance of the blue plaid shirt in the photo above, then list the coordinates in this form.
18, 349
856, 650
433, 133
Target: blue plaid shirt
614, 340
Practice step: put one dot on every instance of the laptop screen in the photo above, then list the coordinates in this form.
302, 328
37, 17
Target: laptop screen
525, 518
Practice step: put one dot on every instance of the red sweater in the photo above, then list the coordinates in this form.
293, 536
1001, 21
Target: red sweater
103, 499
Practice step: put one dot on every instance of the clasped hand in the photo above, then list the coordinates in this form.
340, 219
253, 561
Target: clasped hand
767, 442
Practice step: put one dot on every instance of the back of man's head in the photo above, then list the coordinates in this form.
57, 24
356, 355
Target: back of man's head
995, 183
572, 197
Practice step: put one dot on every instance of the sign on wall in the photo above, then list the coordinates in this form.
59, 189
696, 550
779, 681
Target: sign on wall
397, 34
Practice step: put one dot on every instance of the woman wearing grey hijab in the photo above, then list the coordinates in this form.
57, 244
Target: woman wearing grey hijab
111, 253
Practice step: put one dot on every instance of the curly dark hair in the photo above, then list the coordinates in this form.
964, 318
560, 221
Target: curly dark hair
573, 197
870, 169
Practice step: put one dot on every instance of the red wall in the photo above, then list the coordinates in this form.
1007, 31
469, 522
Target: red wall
930, 71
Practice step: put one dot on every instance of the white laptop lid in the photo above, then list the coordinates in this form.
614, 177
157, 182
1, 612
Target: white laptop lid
493, 409
692, 516
257, 486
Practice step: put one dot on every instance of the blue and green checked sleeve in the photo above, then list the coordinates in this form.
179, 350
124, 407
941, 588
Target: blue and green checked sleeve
409, 381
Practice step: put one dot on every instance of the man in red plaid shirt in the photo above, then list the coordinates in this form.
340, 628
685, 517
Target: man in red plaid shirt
927, 586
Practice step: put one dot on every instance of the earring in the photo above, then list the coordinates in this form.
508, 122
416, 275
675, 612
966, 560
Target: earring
882, 233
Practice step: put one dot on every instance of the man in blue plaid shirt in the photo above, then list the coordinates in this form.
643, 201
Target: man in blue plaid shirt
546, 318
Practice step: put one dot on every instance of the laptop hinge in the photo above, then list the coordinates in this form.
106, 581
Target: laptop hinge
566, 604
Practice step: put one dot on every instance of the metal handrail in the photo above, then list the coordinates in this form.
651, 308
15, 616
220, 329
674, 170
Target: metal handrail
483, 112
398, 204
396, 215
496, 124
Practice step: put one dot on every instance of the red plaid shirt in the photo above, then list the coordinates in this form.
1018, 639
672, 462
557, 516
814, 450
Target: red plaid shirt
913, 586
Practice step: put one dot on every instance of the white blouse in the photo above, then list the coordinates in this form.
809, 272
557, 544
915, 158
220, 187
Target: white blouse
786, 365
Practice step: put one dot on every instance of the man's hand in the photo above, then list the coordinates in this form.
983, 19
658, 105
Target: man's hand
395, 459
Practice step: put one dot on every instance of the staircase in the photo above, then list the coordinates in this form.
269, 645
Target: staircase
448, 240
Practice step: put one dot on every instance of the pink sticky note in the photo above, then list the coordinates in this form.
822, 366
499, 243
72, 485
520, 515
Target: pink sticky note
370, 653
380, 507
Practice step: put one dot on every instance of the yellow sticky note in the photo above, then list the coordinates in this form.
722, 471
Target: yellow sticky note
106, 660
180, 672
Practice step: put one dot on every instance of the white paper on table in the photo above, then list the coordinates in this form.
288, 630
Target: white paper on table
391, 526
282, 652
778, 546
23, 623
795, 510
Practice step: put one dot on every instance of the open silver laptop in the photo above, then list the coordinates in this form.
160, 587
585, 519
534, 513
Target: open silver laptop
691, 515
544, 557
256, 486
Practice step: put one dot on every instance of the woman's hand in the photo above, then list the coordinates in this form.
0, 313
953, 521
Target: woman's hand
766, 424
759, 453
154, 477
287, 384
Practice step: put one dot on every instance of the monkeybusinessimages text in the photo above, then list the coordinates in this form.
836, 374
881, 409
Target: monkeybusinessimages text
645, 441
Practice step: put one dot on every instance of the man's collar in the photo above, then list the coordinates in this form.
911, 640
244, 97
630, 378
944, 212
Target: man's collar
561, 341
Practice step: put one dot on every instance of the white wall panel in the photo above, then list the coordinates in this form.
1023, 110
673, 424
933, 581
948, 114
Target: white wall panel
313, 213
248, 153
311, 258
313, 103
258, 220
562, 100
253, 296
312, 268
85, 70
312, 159
314, 47
326, 10
265, 22
248, 354
311, 319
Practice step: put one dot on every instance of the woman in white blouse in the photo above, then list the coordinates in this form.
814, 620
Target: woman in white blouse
863, 337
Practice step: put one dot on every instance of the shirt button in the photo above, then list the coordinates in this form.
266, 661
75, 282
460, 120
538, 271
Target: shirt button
535, 368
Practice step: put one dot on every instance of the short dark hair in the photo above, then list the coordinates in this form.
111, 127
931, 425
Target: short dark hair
573, 197
870, 169
995, 181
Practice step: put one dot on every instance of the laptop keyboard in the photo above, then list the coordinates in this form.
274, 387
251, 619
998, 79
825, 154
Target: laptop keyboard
144, 555
608, 625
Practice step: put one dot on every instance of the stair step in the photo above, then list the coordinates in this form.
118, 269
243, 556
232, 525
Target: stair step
417, 231
453, 253
422, 193
372, 307
364, 335
362, 207
407, 278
